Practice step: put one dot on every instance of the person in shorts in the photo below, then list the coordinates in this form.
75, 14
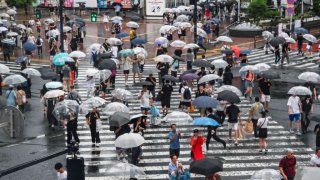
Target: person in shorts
233, 113
294, 110
186, 97
145, 96
126, 67
264, 89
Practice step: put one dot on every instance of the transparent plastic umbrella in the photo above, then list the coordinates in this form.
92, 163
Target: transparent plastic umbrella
261, 67
64, 107
66, 28
191, 46
224, 39
54, 94
208, 77
116, 18
92, 72
77, 54
4, 69
310, 38
53, 85
161, 41
309, 76
219, 63
94, 102
104, 74
132, 24
182, 18
290, 40
267, 35
126, 171
129, 140
176, 116
31, 72
266, 174
230, 88
163, 58
284, 35
114, 41
113, 107
14, 79
300, 90
122, 94
166, 28
178, 44
248, 68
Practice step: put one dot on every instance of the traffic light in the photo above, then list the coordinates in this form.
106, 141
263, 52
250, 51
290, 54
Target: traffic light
38, 14
93, 17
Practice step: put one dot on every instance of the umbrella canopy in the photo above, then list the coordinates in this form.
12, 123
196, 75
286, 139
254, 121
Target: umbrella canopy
178, 44
208, 77
126, 52
122, 35
116, 18
107, 64
14, 79
150, 71
167, 28
93, 47
219, 63
29, 46
77, 54
163, 58
201, 32
21, 59
262, 67
66, 28
183, 24
189, 76
227, 51
290, 40
276, 41
5, 15
94, 102
306, 173
49, 20
53, 85
122, 94
191, 46
201, 63
53, 94
132, 24
245, 52
125, 170
270, 174
229, 96
31, 72
3, 29
224, 39
143, 83
104, 74
284, 35
269, 74
230, 88
205, 102
206, 166
176, 116
129, 140
309, 76
205, 121
267, 35
182, 18
117, 119
161, 41
114, 107
60, 59
170, 78
92, 72
4, 69
310, 38
8, 41
248, 68
300, 90
140, 50
11, 33
138, 40
11, 12
47, 73
65, 107
114, 41
301, 30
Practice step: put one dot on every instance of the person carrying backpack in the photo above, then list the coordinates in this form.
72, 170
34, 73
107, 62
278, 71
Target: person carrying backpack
186, 97
74, 95
94, 58
39, 43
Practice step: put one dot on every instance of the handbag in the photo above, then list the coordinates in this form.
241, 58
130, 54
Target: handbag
248, 128
192, 110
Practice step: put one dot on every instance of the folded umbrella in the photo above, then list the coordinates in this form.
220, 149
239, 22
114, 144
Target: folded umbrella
28, 46
230, 88
201, 63
129, 140
53, 85
206, 166
114, 107
176, 116
219, 64
107, 64
4, 69
170, 78
229, 96
266, 174
205, 121
117, 119
205, 102
208, 78
150, 71
269, 74
178, 44
122, 35
53, 94
309, 76
14, 79
276, 41
31, 72
138, 40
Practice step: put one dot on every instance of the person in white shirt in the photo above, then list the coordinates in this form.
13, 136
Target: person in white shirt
126, 69
61, 173
145, 97
294, 111
315, 159
262, 125
90, 85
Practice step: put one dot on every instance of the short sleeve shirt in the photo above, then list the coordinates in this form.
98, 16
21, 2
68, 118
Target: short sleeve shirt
145, 99
293, 102
256, 108
315, 161
175, 144
288, 166
66, 72
232, 112
265, 87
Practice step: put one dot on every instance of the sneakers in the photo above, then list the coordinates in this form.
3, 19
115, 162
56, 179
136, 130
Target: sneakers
291, 131
298, 133
266, 151
98, 145
93, 145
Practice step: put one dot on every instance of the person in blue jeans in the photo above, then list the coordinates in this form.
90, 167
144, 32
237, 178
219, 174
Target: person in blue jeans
176, 170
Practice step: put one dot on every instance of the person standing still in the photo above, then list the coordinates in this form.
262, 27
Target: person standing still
287, 166
174, 137
92, 118
39, 43
294, 110
66, 71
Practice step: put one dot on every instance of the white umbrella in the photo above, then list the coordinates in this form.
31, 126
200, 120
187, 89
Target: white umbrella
12, 34
261, 67
53, 85
267, 174
94, 102
191, 46
183, 8
166, 28
267, 35
116, 18
208, 77
49, 20
77, 54
11, 12
163, 58
161, 40
178, 44
140, 50
113, 107
176, 10
53, 94
219, 63
120, 170
117, 61
105, 74
31, 72
4, 69
198, 7
230, 88
224, 39
183, 24
310, 38
132, 24
309, 76
93, 47
177, 116
199, 25
290, 40
5, 15
114, 41
300, 90
8, 41
92, 72
129, 140
66, 28
248, 68
21, 26
167, 10
202, 33
14, 79
182, 18
284, 35
3, 29
122, 94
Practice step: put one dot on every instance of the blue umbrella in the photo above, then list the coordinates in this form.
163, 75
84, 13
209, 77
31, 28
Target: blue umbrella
54, 85
300, 30
28, 46
246, 51
21, 59
205, 121
138, 40
205, 102
60, 59
215, 20
122, 35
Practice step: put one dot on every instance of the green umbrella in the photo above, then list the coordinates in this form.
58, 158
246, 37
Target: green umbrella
126, 53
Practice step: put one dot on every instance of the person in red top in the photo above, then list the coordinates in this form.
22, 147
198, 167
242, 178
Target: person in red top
287, 166
196, 142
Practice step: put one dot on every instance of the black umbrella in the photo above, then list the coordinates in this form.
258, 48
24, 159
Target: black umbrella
276, 41
206, 166
150, 71
119, 118
143, 83
47, 74
106, 64
17, 30
227, 51
229, 96
105, 55
201, 63
270, 74
135, 18
170, 78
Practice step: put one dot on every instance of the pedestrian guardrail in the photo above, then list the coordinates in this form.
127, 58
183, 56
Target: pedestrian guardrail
11, 121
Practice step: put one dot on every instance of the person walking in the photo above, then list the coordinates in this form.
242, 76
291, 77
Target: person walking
1, 84
262, 125
6, 52
135, 68
249, 78
310, 85
151, 88
66, 72
285, 53
174, 137
254, 113
90, 85
220, 111
233, 113
300, 42
126, 69
227, 76
317, 132
39, 43
294, 111
74, 95
264, 90
200, 43
277, 55
145, 96
315, 159
189, 59
307, 109
118, 131
21, 99
92, 119
287, 166
72, 125
166, 92
199, 93
196, 142
11, 96
61, 172
186, 97
132, 36
212, 130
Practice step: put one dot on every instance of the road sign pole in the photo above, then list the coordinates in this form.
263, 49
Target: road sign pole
301, 6
291, 23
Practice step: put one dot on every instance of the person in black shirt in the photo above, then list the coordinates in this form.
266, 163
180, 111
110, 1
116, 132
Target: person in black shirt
152, 87
166, 97
277, 54
300, 42
264, 90
312, 88
72, 124
202, 72
212, 130
91, 119
233, 113
317, 132
307, 108
285, 53
227, 76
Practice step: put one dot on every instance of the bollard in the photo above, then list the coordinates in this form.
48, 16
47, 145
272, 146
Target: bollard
11, 124
254, 41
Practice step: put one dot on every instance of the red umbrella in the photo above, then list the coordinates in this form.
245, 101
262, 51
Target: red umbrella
236, 50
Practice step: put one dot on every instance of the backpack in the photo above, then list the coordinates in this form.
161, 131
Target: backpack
38, 42
94, 56
187, 94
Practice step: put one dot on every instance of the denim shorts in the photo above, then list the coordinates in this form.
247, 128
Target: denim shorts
294, 117
248, 84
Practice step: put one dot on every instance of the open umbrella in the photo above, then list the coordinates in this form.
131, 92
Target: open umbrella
178, 44
117, 119
306, 173
290, 40
201, 63
114, 41
248, 68
143, 83
138, 40
31, 72
208, 77
107, 64
205, 102
191, 46
94, 102
229, 96
113, 107
310, 38
49, 20
206, 166
166, 28
132, 24
93, 47
161, 41
53, 85
21, 59
129, 140
121, 94
66, 28
150, 71
224, 39
269, 174
77, 54
2, 29
104, 74
182, 18
8, 41
122, 170
205, 121
11, 12
21, 26
116, 18
227, 51
92, 72
163, 58
63, 108
301, 30
261, 67
309, 76
28, 46
60, 59
122, 35
47, 73
219, 63
176, 116
300, 90
189, 77
230, 88
276, 41
4, 69
284, 35
14, 79
5, 15
140, 50
135, 18
53, 94
182, 24
11, 33
269, 74
267, 35
170, 78
126, 52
